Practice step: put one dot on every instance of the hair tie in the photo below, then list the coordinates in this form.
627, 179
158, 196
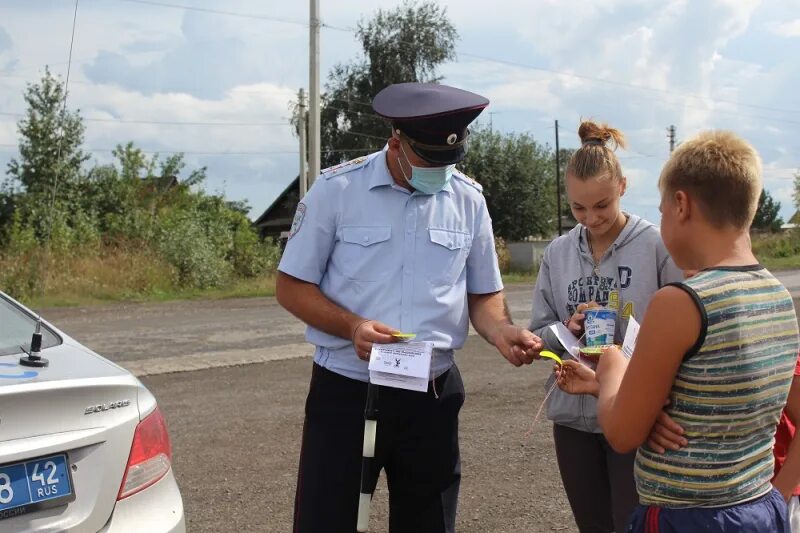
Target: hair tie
598, 142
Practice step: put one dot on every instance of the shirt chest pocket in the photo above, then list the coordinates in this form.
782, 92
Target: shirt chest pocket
445, 255
364, 253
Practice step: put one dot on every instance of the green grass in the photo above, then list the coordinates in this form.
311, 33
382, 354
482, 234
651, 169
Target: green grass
778, 251
249, 288
119, 275
520, 277
781, 263
141, 277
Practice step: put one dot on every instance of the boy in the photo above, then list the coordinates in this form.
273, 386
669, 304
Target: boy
720, 346
668, 435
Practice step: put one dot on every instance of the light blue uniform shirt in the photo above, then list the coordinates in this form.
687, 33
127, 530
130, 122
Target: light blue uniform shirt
387, 254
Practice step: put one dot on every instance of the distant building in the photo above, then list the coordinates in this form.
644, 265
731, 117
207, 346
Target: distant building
276, 220
793, 223
159, 184
156, 191
567, 223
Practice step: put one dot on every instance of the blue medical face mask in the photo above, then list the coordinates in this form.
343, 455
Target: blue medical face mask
427, 180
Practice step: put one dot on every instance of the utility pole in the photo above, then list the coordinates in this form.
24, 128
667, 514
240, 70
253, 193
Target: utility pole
314, 137
558, 183
671, 131
302, 134
491, 122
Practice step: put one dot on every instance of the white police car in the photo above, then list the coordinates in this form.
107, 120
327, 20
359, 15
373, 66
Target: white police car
83, 445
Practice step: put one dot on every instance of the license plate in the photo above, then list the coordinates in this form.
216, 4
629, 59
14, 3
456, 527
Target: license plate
34, 485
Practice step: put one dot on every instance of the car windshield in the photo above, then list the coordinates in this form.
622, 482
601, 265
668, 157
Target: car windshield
16, 328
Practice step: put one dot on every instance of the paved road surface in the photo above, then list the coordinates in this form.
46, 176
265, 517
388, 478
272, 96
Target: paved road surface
236, 420
152, 339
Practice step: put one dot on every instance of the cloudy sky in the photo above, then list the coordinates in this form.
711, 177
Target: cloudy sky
164, 74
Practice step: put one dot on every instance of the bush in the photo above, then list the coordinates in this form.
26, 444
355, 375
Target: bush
138, 210
503, 255
21, 275
187, 245
250, 256
781, 245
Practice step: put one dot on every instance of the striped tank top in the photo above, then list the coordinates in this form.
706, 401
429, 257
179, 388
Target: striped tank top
728, 394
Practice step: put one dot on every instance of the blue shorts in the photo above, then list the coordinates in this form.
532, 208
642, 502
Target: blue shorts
767, 514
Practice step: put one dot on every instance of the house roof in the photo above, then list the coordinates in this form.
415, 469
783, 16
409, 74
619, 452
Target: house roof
272, 215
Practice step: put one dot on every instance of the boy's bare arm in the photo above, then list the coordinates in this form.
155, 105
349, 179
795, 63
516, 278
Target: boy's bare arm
632, 393
788, 477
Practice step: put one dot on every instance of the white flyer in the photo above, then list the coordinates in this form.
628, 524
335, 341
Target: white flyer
403, 365
631, 334
567, 339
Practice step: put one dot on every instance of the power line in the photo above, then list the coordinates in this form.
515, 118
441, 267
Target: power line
621, 83
191, 152
359, 134
465, 54
366, 104
359, 113
469, 54
350, 102
182, 123
593, 78
187, 152
218, 12
166, 122
254, 16
598, 80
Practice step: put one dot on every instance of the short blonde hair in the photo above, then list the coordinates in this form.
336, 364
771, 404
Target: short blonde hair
722, 171
596, 158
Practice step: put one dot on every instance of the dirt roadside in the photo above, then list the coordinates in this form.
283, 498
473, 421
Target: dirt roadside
236, 437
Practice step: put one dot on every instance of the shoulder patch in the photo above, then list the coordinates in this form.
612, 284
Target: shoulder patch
343, 168
469, 181
299, 215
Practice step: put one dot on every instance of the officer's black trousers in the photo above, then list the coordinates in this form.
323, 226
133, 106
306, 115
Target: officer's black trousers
416, 445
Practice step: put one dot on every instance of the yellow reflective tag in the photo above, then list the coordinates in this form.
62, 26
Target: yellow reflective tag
551, 355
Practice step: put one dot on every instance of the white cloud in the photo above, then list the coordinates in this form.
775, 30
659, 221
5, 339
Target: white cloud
166, 64
787, 29
5, 41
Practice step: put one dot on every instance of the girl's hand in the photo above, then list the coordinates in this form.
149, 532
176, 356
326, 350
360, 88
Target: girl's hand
575, 323
575, 378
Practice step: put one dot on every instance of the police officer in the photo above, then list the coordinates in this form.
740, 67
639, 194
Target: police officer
395, 241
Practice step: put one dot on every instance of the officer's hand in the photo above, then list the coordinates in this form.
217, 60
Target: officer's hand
517, 344
666, 434
369, 332
575, 323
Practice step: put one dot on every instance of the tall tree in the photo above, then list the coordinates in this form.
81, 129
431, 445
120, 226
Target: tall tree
767, 213
405, 44
50, 141
518, 179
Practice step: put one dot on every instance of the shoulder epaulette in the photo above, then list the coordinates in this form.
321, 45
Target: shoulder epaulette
469, 181
343, 168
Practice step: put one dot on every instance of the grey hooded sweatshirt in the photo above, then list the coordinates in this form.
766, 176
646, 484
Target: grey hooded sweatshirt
636, 265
